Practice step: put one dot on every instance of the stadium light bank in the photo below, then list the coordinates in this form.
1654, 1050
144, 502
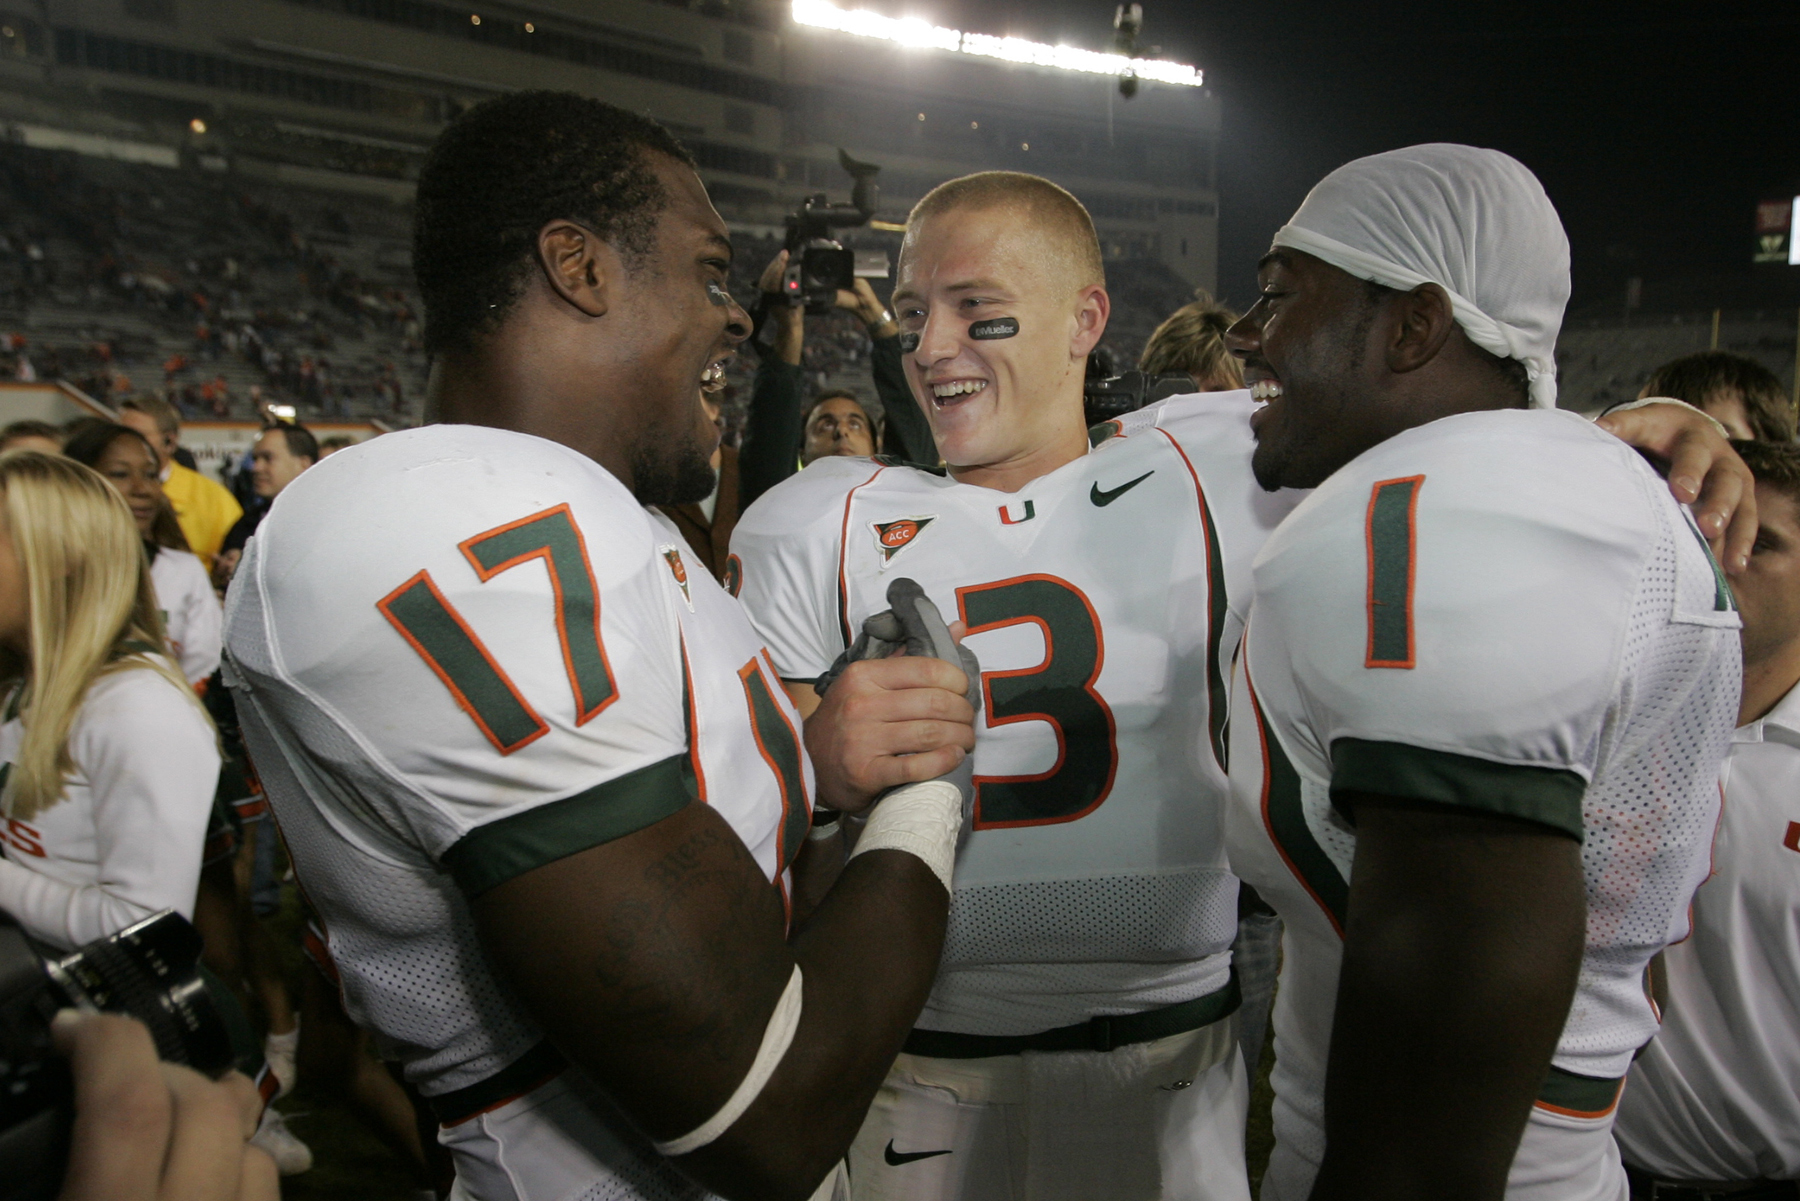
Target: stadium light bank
911, 31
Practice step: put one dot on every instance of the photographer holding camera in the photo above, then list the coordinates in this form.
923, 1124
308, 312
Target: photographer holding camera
778, 435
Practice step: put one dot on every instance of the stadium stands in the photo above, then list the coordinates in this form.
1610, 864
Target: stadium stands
120, 277
1601, 361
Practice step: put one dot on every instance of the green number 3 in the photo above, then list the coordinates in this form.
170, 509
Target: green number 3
1060, 691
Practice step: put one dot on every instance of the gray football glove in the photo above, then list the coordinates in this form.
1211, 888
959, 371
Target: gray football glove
912, 621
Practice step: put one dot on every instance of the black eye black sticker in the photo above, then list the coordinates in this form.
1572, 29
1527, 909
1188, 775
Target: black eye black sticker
717, 295
908, 343
997, 327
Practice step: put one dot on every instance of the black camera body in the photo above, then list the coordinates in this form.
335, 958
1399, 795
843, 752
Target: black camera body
1114, 396
818, 265
149, 971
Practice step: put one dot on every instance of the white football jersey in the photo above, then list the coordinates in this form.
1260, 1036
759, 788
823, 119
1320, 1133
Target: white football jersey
1716, 1096
1503, 610
192, 618
462, 653
125, 839
1104, 601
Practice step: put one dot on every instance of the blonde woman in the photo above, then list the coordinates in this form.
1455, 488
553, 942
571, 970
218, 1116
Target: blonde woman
110, 762
1193, 340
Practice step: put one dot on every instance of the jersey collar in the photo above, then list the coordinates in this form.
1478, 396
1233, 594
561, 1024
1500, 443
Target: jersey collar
1785, 716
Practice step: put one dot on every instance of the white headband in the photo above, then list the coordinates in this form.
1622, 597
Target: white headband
1475, 222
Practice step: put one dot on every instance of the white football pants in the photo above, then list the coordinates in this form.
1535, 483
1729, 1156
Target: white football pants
1156, 1121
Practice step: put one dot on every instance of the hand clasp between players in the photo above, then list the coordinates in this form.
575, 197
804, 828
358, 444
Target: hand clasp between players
886, 721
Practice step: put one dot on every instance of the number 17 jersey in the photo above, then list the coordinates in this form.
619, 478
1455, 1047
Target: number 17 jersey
1104, 600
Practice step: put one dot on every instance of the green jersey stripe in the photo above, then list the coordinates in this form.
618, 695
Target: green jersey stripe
490, 855
1284, 816
1550, 796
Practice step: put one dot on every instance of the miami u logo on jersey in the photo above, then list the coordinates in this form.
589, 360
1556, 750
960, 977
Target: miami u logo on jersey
892, 537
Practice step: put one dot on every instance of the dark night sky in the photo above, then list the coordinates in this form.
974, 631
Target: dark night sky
1655, 127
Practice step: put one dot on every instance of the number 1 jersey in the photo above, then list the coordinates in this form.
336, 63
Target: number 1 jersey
1505, 612
1104, 601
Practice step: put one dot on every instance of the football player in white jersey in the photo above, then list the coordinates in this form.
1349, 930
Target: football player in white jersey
1078, 1041
1489, 673
539, 781
1712, 1106
1105, 593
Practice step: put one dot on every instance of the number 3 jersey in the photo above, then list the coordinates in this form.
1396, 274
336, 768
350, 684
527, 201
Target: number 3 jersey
1506, 612
1103, 600
463, 653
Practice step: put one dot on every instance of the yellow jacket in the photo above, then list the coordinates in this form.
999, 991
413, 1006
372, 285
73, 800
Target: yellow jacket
205, 510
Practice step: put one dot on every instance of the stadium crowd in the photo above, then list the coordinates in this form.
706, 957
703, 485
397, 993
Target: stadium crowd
539, 971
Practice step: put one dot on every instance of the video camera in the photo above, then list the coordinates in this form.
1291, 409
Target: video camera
818, 265
1106, 394
148, 971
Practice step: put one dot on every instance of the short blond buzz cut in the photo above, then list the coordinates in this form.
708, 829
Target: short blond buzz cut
1047, 205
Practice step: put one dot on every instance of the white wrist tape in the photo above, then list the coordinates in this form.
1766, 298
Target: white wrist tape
1669, 400
920, 819
778, 1035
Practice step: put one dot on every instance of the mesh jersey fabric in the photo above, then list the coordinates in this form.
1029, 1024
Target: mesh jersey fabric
388, 755
1568, 618
1104, 600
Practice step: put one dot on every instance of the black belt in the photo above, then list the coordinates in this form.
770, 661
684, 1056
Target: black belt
537, 1066
1095, 1034
1645, 1187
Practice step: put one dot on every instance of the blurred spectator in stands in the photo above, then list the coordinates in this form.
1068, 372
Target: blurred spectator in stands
837, 424
1743, 395
31, 435
775, 427
707, 524
337, 442
205, 509
281, 453
1192, 339
191, 616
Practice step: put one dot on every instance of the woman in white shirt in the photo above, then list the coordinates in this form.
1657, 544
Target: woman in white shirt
110, 762
192, 618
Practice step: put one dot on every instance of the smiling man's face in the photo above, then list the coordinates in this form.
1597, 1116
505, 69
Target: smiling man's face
1308, 350
994, 404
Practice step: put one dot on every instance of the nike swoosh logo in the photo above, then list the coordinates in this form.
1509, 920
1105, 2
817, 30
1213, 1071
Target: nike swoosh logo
1102, 499
896, 1158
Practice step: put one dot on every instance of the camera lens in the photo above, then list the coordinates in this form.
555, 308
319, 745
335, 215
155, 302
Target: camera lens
147, 970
